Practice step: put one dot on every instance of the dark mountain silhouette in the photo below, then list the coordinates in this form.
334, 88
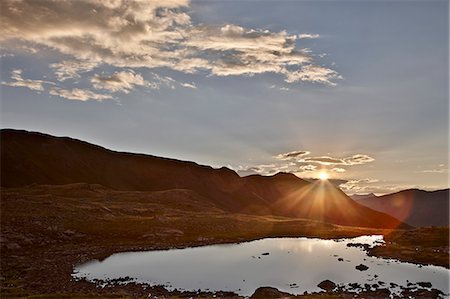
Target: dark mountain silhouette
362, 196
413, 206
35, 158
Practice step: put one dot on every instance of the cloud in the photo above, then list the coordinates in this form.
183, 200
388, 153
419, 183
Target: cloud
325, 160
71, 69
291, 155
122, 81
189, 85
358, 159
308, 36
330, 161
307, 168
433, 171
357, 186
313, 73
18, 81
154, 34
78, 94
338, 170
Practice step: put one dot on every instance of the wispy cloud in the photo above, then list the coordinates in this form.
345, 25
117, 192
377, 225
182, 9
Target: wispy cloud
19, 81
433, 171
71, 69
338, 170
437, 169
313, 73
358, 159
308, 36
357, 186
325, 160
154, 34
78, 94
291, 155
300, 163
189, 85
122, 81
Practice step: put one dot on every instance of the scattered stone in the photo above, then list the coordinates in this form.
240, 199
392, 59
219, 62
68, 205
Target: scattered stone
425, 284
362, 267
269, 292
170, 232
327, 285
106, 209
69, 232
12, 246
364, 246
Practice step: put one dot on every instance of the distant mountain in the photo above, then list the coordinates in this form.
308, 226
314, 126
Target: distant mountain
35, 158
413, 206
362, 196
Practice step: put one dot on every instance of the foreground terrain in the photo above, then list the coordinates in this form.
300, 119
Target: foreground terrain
46, 230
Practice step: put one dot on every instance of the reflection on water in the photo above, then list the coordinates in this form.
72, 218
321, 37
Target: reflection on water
293, 265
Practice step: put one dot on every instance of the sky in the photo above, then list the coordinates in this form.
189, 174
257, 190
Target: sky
357, 89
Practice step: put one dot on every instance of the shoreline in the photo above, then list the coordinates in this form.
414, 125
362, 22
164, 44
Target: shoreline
38, 253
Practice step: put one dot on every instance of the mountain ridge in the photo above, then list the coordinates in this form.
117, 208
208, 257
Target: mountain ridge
414, 206
37, 158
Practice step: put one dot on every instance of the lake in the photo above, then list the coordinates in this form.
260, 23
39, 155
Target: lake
293, 265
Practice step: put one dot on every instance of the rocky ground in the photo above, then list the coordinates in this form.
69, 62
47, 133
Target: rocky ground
46, 230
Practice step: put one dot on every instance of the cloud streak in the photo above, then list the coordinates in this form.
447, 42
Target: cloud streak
291, 155
299, 162
77, 94
308, 36
19, 81
123, 81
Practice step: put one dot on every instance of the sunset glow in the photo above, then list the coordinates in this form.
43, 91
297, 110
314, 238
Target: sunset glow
323, 176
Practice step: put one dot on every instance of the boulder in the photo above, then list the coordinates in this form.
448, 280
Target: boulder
269, 292
425, 284
327, 285
361, 267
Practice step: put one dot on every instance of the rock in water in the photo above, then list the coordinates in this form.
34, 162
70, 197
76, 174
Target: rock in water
268, 292
425, 284
362, 267
327, 285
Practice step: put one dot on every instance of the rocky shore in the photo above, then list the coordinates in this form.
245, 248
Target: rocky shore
72, 225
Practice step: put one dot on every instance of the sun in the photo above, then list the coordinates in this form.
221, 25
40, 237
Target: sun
323, 176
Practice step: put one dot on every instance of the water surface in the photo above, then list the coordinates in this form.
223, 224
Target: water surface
293, 265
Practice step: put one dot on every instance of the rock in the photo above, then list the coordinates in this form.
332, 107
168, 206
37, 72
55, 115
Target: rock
170, 232
361, 245
340, 259
327, 285
12, 246
265, 253
268, 292
69, 232
106, 209
362, 267
425, 284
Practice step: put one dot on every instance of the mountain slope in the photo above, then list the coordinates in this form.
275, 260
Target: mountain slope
35, 158
413, 206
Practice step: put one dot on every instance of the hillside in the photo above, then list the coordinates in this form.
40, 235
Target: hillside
34, 158
413, 206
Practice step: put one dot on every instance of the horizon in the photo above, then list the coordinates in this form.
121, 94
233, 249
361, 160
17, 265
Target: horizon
356, 90
334, 182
